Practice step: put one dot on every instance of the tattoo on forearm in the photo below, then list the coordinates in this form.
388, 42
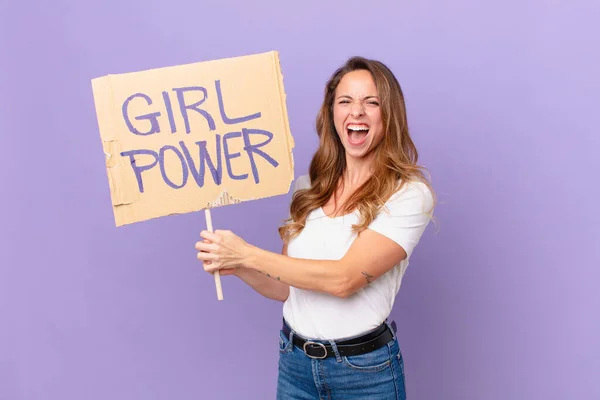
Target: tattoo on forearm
269, 275
368, 277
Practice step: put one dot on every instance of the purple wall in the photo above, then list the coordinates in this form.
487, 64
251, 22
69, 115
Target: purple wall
499, 300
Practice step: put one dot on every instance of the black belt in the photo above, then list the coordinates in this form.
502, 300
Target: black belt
346, 347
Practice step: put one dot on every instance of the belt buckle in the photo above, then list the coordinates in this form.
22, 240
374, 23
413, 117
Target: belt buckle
316, 344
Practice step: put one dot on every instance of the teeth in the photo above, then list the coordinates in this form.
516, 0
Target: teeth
358, 127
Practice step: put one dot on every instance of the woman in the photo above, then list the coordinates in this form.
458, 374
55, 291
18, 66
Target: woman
354, 222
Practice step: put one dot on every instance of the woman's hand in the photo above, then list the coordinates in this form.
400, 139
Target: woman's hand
222, 250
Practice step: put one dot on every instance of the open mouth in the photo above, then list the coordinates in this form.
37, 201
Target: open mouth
357, 133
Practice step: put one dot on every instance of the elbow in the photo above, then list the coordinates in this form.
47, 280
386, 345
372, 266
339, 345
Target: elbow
345, 283
282, 294
343, 288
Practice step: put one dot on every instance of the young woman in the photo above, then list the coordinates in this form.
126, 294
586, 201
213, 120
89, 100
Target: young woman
354, 221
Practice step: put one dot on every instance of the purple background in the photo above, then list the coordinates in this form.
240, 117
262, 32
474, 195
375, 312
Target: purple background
499, 301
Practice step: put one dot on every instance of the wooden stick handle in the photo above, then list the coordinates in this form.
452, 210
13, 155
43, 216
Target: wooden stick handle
217, 275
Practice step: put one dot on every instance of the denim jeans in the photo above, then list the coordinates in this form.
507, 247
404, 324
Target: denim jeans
378, 375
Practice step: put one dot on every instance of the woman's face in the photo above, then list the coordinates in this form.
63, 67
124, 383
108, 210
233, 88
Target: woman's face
357, 113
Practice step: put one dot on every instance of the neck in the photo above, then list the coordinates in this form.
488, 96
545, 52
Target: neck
357, 171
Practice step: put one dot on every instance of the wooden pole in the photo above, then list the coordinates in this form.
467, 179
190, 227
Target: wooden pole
217, 275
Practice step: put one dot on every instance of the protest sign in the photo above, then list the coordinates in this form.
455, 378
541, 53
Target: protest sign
195, 136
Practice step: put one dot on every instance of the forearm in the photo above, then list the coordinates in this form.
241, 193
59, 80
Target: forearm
370, 256
263, 284
340, 278
327, 276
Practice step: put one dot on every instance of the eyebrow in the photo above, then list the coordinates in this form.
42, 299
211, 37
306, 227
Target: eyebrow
350, 97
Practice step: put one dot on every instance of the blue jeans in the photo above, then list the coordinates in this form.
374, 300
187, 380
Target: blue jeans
378, 375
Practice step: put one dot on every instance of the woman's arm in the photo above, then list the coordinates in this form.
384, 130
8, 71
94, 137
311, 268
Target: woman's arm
264, 284
391, 237
370, 256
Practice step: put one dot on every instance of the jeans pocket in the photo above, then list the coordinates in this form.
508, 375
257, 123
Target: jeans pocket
401, 374
283, 342
373, 361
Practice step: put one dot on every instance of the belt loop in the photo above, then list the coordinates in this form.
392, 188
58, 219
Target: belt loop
290, 345
391, 326
338, 358
291, 340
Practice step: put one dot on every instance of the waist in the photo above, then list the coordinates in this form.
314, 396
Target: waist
361, 344
321, 316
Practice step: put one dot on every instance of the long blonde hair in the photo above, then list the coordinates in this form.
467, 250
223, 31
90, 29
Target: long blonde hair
395, 158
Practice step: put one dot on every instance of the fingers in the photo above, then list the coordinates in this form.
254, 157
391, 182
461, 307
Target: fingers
204, 254
206, 257
217, 235
227, 271
206, 246
210, 249
205, 251
211, 236
213, 267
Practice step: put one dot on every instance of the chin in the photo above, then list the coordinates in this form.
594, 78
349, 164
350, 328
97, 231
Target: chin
357, 153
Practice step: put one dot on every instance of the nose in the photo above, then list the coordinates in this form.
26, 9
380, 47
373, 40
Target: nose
357, 109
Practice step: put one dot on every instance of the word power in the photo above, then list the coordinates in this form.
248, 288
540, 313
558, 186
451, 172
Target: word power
182, 152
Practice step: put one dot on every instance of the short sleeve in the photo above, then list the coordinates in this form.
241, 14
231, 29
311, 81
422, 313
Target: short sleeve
302, 182
405, 215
